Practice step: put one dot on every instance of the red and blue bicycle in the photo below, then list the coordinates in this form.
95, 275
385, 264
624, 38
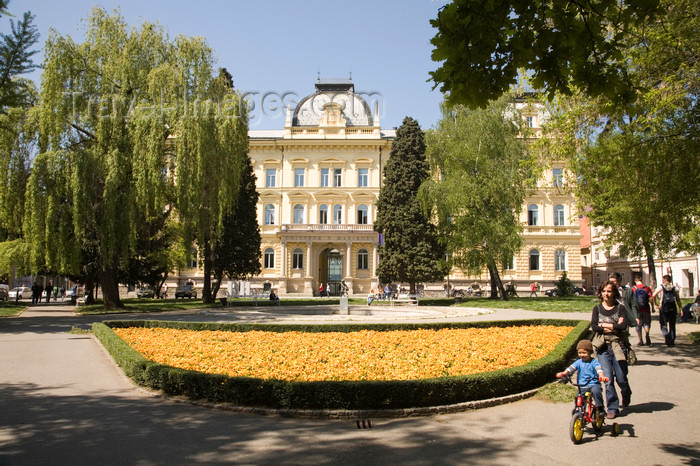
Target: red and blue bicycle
586, 412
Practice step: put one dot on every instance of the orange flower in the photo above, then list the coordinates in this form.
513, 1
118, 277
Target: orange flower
361, 355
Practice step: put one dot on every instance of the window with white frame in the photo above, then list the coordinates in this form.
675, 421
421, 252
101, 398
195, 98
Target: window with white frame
530, 121
362, 214
337, 177
298, 214
325, 177
297, 259
532, 215
269, 214
298, 177
193, 258
362, 259
534, 259
559, 260
558, 215
362, 177
323, 214
269, 258
337, 214
557, 177
509, 263
270, 177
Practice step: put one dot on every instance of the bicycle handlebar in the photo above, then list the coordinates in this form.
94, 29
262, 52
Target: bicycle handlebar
567, 379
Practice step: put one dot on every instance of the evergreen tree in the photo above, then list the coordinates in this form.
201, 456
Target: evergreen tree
237, 253
15, 60
410, 252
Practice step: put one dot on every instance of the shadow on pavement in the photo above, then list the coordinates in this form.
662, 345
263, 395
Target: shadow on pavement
37, 428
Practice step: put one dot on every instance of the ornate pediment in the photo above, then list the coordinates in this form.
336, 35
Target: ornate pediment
332, 116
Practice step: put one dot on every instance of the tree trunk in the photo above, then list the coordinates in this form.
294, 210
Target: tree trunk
207, 298
496, 283
652, 268
110, 288
216, 286
89, 291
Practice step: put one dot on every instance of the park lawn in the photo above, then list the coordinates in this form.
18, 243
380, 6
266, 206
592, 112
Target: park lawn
540, 304
11, 309
139, 306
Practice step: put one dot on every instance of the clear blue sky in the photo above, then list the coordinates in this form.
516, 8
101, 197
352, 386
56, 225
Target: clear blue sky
281, 46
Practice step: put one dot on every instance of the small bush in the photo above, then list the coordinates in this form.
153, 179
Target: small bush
564, 286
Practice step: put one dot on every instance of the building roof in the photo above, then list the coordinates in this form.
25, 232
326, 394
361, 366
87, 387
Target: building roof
311, 108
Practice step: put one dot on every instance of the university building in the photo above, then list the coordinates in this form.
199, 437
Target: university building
319, 180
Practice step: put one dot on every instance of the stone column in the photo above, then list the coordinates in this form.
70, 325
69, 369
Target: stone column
375, 261
348, 267
308, 275
283, 276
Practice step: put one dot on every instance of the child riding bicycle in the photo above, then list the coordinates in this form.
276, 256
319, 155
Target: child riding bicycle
590, 373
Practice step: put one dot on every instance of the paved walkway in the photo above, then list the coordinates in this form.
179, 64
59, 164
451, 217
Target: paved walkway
62, 401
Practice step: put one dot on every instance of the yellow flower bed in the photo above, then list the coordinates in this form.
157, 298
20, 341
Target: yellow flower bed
361, 355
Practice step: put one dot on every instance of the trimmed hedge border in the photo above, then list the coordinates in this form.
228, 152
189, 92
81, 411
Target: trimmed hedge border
399, 396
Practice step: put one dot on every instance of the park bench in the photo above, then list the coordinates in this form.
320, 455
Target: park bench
254, 298
405, 298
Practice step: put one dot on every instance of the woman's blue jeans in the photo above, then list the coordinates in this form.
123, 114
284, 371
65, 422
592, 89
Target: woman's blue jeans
616, 371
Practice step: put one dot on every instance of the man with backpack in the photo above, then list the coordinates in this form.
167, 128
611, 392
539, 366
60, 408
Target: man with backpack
627, 298
642, 294
667, 310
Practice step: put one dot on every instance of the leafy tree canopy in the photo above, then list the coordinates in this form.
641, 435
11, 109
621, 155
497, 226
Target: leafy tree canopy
108, 111
482, 46
636, 163
483, 171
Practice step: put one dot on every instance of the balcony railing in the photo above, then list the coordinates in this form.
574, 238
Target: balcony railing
325, 227
551, 229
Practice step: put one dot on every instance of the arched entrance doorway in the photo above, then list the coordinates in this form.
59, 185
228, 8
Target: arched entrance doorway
330, 269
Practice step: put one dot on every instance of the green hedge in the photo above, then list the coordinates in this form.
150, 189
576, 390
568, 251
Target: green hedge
354, 395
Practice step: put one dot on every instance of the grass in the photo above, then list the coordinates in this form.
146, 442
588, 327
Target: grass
541, 304
694, 337
138, 306
79, 331
10, 309
557, 392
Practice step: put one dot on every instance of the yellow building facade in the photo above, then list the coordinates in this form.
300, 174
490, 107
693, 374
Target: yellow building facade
319, 180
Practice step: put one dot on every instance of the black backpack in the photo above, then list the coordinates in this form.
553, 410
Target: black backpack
668, 303
642, 297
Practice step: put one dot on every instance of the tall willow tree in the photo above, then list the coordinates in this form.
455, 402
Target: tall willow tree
211, 149
17, 142
484, 171
107, 108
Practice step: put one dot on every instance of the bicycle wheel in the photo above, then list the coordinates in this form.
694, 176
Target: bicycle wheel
576, 427
598, 420
615, 429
